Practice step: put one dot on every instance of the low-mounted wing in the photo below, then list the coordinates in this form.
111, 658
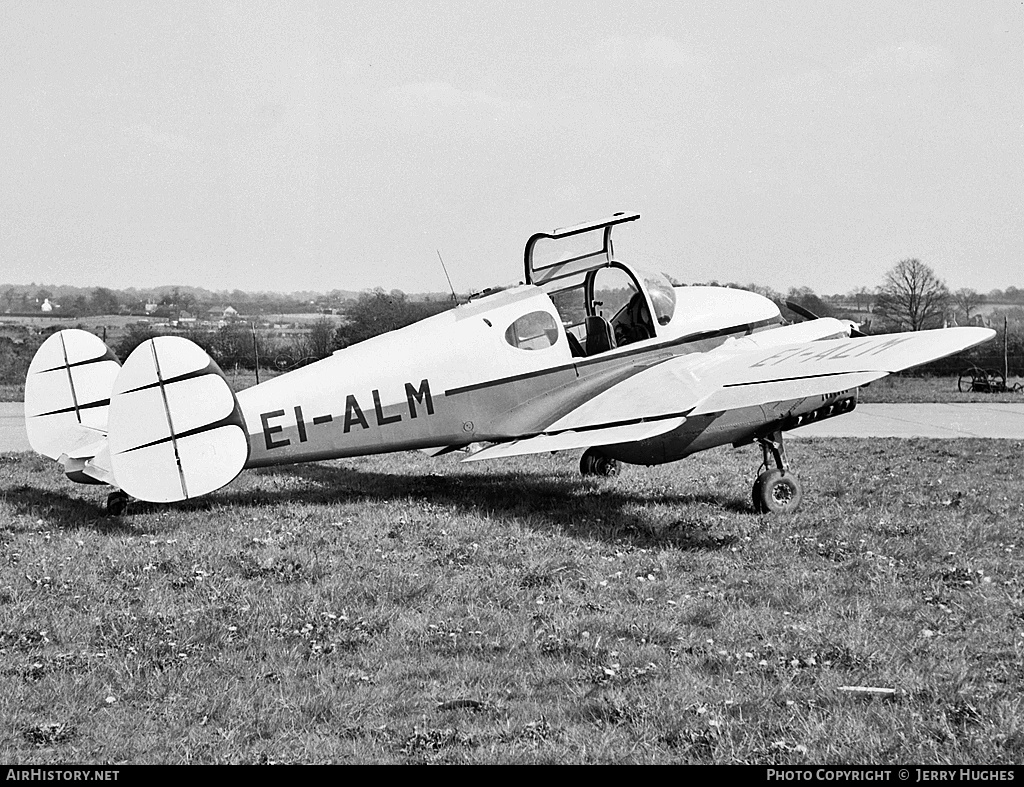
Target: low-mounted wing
821, 367
761, 369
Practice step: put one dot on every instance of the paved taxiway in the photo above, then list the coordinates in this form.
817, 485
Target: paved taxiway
996, 420
867, 420
12, 427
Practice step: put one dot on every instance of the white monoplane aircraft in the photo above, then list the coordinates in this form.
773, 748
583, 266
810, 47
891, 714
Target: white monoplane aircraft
588, 353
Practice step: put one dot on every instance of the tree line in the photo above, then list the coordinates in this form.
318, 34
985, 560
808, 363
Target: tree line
239, 344
911, 298
88, 302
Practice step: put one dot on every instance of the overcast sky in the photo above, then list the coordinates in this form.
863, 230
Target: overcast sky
293, 146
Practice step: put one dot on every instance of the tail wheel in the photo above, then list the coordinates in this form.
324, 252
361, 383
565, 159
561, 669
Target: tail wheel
776, 492
594, 462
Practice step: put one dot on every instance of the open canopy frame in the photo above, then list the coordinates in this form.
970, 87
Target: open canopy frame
555, 259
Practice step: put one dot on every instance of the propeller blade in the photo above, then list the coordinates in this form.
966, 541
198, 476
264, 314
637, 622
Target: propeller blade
796, 308
807, 314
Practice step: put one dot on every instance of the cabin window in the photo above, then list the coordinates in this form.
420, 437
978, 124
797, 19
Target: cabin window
533, 331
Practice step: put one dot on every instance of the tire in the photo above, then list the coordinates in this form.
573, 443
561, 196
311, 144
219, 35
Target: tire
117, 503
756, 493
776, 492
593, 462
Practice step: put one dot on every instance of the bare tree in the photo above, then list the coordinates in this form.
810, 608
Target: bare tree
968, 300
912, 298
320, 339
767, 292
862, 298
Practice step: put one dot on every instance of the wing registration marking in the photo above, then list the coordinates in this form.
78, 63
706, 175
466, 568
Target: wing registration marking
803, 354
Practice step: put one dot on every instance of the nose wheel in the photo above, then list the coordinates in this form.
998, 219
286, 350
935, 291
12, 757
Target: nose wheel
593, 462
776, 490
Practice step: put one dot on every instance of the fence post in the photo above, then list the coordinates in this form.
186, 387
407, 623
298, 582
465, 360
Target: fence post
1006, 356
255, 352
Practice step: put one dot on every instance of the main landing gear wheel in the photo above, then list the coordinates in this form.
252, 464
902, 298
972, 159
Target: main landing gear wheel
594, 462
776, 490
117, 503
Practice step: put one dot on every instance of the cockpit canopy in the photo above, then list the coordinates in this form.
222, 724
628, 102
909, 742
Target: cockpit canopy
553, 257
662, 295
603, 303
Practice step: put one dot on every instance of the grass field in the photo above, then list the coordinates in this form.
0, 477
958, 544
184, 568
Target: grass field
401, 609
905, 388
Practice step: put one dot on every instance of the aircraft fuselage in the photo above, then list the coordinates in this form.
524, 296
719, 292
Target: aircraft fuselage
452, 380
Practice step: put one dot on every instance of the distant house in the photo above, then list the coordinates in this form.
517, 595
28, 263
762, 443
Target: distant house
47, 306
222, 313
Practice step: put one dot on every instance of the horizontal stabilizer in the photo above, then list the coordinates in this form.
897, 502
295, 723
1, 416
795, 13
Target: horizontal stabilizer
67, 392
84, 443
175, 429
564, 441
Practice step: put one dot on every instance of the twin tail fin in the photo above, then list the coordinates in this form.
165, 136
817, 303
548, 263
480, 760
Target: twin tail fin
67, 395
166, 426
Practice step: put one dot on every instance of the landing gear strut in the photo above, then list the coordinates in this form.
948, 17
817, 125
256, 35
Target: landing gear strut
117, 503
776, 489
594, 462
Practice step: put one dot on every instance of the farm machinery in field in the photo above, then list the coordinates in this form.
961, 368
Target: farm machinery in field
978, 380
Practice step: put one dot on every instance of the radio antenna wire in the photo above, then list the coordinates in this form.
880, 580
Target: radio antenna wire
455, 297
